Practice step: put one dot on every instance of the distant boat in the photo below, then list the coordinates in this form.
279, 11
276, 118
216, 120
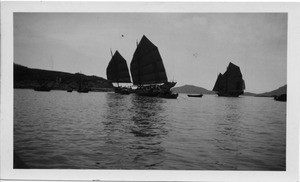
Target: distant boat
46, 87
231, 83
168, 95
82, 88
43, 88
195, 95
117, 72
281, 97
148, 71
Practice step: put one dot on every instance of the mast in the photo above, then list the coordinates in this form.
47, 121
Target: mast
139, 65
111, 53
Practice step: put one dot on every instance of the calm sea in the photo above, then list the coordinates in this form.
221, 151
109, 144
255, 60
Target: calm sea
98, 130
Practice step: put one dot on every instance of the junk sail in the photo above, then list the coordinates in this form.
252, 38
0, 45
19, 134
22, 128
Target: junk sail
147, 66
117, 70
231, 83
148, 71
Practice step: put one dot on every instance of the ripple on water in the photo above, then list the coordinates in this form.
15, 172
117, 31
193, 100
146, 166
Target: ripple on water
110, 131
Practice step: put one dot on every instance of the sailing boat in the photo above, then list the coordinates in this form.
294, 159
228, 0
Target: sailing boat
231, 83
43, 88
81, 88
148, 71
117, 72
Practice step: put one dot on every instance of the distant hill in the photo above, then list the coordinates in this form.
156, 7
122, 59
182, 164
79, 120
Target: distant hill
191, 89
249, 94
25, 77
279, 91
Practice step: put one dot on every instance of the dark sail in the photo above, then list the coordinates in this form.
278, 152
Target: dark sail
218, 84
231, 83
147, 66
117, 70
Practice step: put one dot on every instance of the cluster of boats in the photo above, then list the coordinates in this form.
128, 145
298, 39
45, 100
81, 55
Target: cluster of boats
147, 71
149, 75
150, 79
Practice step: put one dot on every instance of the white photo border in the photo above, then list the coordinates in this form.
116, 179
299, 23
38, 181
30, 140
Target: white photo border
293, 81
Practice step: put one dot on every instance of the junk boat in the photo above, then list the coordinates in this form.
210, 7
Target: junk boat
117, 72
231, 83
148, 71
43, 88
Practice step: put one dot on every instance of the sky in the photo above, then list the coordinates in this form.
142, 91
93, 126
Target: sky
195, 47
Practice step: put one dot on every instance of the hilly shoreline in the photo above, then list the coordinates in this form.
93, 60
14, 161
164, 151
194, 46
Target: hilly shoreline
191, 89
29, 78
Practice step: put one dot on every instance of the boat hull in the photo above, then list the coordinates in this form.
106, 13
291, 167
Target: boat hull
199, 95
147, 93
168, 96
83, 90
162, 91
42, 89
280, 98
123, 91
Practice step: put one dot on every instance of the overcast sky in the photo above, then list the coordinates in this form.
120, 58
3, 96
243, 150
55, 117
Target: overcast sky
195, 47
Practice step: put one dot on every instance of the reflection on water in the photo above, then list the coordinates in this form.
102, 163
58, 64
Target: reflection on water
148, 129
227, 127
132, 132
147, 121
61, 130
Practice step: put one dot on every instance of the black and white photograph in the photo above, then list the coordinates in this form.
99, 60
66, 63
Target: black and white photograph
150, 91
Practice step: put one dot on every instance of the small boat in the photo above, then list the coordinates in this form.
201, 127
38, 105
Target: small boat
281, 97
168, 95
43, 88
195, 95
117, 72
231, 83
83, 90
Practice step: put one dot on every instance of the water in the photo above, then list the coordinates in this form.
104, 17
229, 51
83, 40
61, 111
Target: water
97, 130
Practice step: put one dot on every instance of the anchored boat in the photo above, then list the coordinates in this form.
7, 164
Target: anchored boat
148, 71
281, 97
195, 95
117, 72
43, 88
231, 83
